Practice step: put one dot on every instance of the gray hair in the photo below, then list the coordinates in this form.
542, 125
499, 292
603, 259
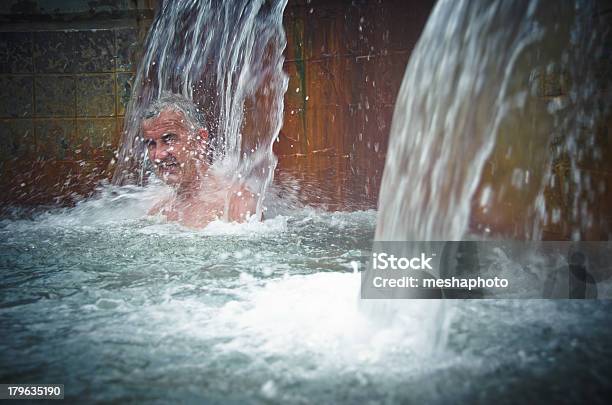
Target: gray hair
178, 103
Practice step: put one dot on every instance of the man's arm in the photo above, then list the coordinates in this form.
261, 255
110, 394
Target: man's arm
243, 204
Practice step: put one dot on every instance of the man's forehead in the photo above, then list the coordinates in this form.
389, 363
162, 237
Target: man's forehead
166, 119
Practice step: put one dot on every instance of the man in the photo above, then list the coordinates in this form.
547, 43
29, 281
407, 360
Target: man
177, 145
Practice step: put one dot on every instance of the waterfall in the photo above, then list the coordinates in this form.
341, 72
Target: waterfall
227, 58
494, 93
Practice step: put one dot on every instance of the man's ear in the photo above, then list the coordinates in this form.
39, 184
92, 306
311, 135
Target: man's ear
203, 134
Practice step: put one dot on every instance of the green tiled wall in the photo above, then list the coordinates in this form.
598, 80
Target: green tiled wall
65, 90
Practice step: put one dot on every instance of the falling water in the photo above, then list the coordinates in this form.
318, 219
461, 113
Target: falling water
227, 58
475, 95
477, 91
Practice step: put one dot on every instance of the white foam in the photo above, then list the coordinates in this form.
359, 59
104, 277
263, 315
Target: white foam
252, 227
313, 317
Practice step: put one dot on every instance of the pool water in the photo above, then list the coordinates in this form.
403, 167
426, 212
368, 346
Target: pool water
122, 307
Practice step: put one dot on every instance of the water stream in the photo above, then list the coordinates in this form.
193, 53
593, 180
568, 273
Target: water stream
476, 119
227, 58
510, 84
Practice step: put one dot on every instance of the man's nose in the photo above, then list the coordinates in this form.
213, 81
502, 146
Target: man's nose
159, 152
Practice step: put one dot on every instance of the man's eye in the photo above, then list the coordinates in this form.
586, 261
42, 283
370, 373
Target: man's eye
149, 143
169, 137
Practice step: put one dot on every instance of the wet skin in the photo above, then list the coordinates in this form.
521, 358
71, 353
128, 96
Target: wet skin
178, 153
174, 148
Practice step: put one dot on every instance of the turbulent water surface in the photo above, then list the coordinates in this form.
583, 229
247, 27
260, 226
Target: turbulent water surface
120, 306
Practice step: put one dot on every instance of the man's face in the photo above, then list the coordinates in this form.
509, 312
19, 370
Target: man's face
173, 146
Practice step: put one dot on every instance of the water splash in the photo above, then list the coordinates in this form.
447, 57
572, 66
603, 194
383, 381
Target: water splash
227, 58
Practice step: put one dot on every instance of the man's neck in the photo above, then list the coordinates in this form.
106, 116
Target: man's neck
189, 190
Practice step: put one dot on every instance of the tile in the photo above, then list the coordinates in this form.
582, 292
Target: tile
96, 96
55, 96
119, 134
128, 48
55, 139
95, 51
16, 97
95, 138
16, 52
42, 182
54, 51
92, 172
125, 82
16, 139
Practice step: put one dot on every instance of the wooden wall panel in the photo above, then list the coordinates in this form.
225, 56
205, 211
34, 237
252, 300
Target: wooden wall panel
346, 62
